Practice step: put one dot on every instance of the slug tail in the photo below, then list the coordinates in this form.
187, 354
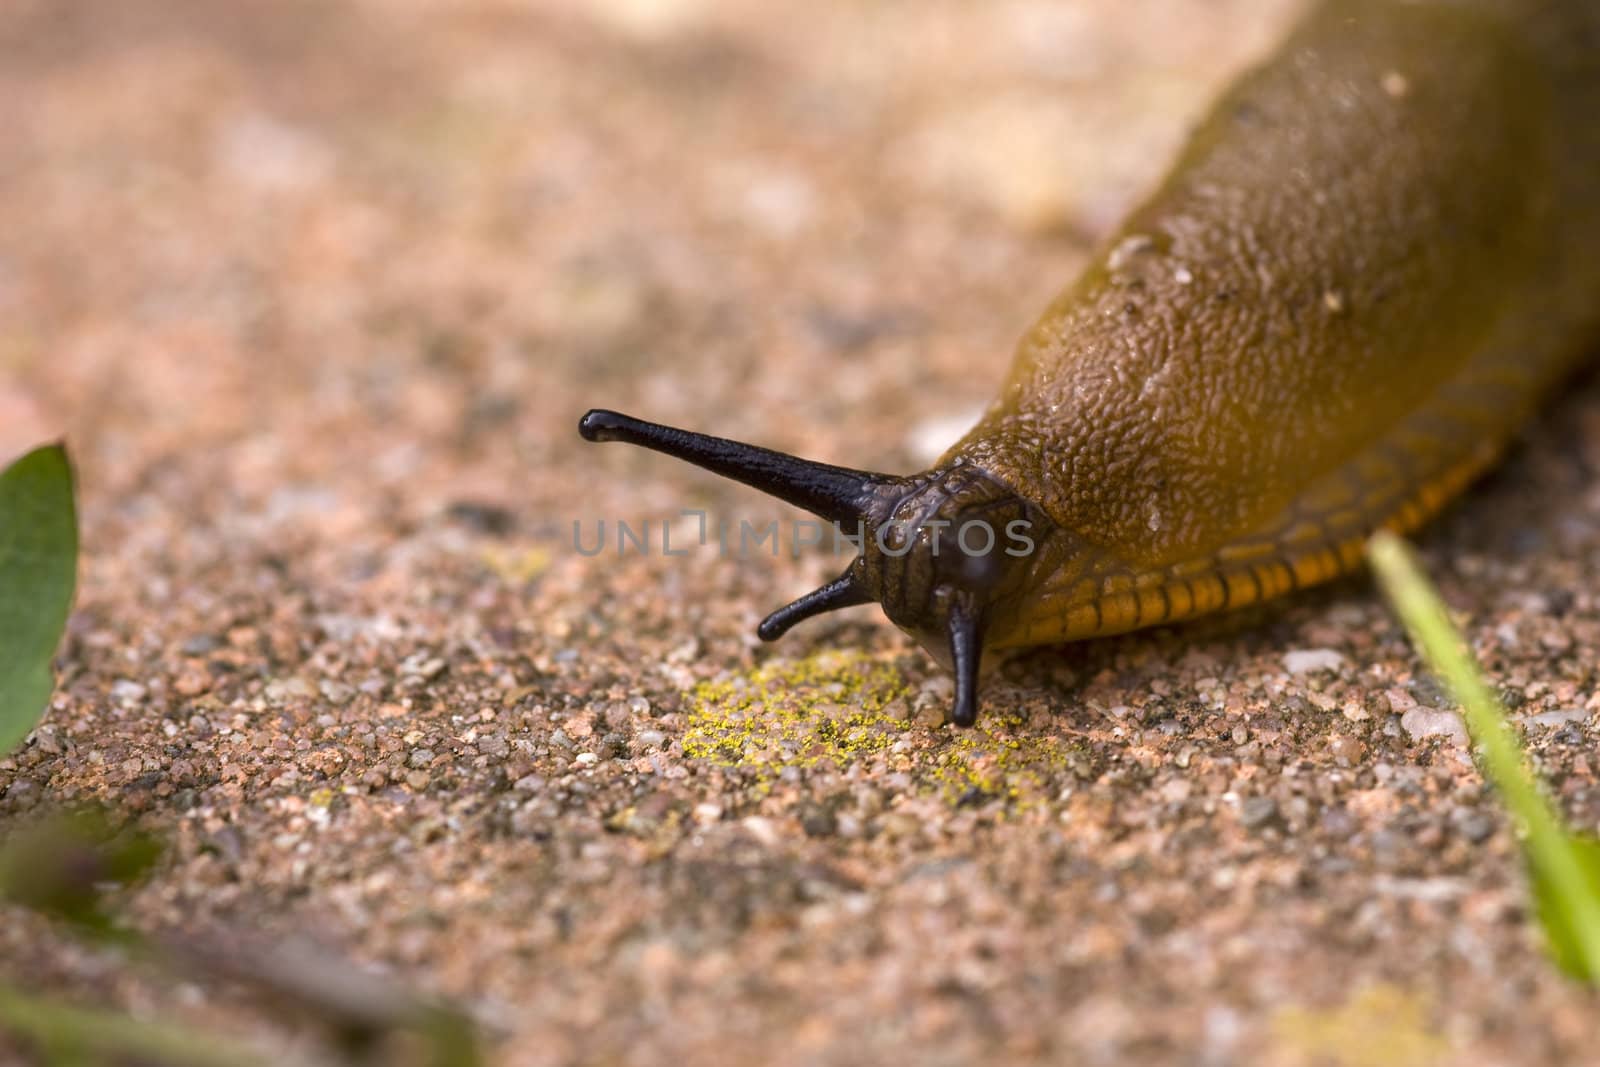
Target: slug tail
838, 494
843, 592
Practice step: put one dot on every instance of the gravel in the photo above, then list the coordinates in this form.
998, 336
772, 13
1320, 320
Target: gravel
355, 272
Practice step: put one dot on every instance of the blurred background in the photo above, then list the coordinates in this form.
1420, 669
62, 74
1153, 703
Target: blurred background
317, 292
382, 254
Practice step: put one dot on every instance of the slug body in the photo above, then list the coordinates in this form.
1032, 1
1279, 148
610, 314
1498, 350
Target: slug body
1372, 258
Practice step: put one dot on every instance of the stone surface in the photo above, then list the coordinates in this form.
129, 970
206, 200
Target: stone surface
317, 293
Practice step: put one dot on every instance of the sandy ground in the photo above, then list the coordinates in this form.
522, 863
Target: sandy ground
317, 292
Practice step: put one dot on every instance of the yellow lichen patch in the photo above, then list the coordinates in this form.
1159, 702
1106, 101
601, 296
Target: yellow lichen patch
516, 567
999, 758
839, 708
833, 706
1379, 1026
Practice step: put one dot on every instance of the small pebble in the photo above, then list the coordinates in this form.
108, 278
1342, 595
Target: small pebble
127, 692
819, 822
1257, 812
201, 645
1476, 827
1306, 660
288, 690
1346, 751
1557, 718
1423, 722
337, 692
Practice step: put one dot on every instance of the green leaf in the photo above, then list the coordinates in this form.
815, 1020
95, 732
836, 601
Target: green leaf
1563, 869
38, 571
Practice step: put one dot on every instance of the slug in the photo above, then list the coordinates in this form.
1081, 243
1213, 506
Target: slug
1368, 263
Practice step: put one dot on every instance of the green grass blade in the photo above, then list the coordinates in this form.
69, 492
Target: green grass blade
1564, 869
68, 1034
65, 864
38, 572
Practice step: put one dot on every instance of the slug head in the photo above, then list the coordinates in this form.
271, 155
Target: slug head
945, 553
